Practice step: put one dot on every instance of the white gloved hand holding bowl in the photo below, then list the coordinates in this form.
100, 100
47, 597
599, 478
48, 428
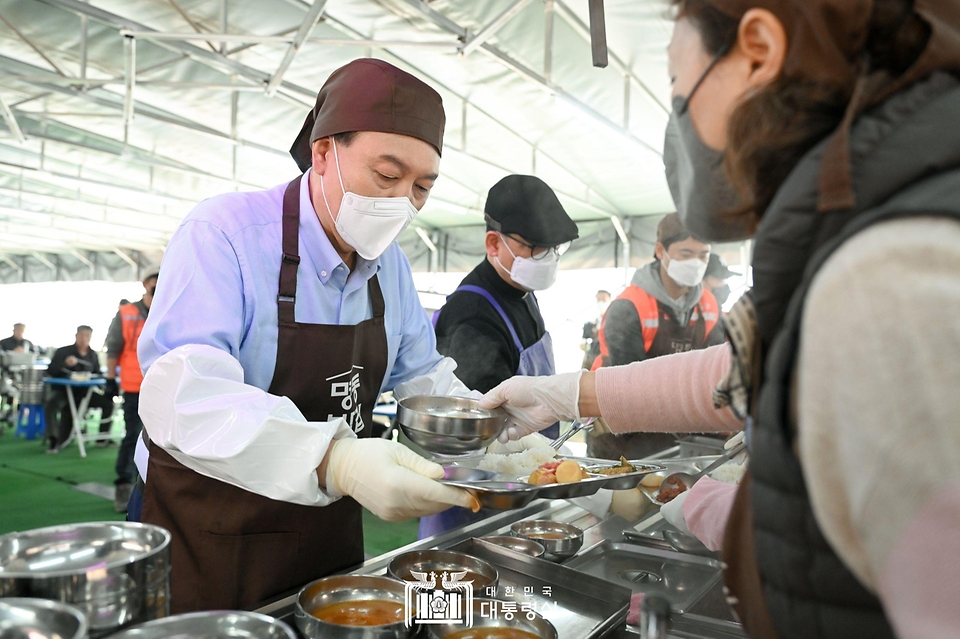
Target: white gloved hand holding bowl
535, 403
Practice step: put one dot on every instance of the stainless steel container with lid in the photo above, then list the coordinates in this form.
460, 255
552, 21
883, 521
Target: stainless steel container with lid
216, 624
449, 425
23, 618
490, 614
117, 573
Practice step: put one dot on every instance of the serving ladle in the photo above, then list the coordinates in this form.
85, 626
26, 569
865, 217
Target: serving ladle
689, 480
575, 428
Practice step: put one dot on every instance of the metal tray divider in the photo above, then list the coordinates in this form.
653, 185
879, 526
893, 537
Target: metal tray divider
590, 596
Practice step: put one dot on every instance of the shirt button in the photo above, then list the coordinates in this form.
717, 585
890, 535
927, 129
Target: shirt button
323, 273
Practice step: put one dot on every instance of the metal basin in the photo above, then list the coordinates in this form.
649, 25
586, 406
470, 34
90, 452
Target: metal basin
481, 573
116, 573
350, 588
449, 425
40, 619
210, 625
490, 613
560, 540
520, 545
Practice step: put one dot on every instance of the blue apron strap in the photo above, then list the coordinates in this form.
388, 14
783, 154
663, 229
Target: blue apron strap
506, 320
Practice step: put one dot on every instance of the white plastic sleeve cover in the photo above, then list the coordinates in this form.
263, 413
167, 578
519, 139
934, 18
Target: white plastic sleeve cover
439, 381
195, 405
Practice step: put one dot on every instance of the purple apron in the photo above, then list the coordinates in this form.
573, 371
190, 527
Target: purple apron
536, 361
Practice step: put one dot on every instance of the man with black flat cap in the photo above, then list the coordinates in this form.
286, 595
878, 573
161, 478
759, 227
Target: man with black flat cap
280, 317
491, 325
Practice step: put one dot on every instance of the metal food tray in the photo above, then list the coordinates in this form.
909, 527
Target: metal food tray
580, 606
681, 578
503, 492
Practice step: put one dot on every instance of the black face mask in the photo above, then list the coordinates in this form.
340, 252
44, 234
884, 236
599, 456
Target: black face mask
698, 182
153, 291
722, 293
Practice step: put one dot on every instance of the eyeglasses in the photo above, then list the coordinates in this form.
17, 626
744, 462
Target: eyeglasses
541, 252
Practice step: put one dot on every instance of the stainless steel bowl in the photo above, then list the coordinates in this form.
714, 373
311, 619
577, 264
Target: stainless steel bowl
449, 425
561, 541
481, 573
225, 624
490, 613
520, 545
333, 590
117, 573
22, 618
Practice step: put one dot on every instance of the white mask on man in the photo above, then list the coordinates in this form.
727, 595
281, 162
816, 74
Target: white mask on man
531, 274
686, 272
369, 224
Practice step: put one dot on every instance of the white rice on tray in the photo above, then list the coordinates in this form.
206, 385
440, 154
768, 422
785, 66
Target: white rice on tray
517, 463
731, 472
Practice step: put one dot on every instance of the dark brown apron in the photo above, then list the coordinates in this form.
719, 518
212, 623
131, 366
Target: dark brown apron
232, 548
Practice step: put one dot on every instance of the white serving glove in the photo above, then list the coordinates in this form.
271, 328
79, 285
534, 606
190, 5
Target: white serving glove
535, 403
390, 480
672, 511
439, 381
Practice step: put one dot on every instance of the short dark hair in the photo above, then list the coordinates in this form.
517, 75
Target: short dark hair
603, 292
19, 325
124, 301
84, 327
346, 138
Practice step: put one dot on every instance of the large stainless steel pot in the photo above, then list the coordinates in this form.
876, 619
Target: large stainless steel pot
222, 624
117, 573
22, 618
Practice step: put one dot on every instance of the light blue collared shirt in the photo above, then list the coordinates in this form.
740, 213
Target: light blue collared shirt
220, 279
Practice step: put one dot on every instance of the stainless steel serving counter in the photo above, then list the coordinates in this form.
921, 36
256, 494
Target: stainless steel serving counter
709, 616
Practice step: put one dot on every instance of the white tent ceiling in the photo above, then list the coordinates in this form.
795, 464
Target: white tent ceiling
127, 112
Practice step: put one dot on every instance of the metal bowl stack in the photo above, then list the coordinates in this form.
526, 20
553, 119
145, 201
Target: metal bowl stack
116, 573
31, 386
210, 625
22, 618
449, 425
560, 540
350, 589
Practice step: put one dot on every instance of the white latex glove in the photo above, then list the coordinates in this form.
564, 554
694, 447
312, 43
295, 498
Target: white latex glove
534, 403
529, 442
672, 511
439, 381
390, 480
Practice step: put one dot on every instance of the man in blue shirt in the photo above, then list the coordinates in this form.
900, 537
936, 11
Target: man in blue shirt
279, 318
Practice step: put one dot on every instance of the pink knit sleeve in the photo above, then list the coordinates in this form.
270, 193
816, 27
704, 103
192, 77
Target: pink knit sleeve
668, 394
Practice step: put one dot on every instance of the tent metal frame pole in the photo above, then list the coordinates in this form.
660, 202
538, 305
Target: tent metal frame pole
6, 260
590, 190
126, 258
11, 121
306, 28
193, 23
625, 244
43, 260
224, 24
84, 33
130, 83
549, 16
490, 29
83, 260
529, 74
33, 45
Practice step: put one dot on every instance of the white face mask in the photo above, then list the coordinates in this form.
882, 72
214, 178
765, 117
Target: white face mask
531, 274
369, 224
686, 272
